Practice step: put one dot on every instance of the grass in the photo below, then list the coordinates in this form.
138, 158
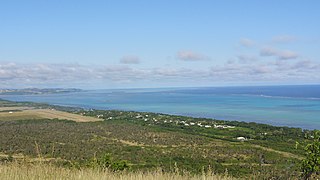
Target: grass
15, 171
14, 108
144, 147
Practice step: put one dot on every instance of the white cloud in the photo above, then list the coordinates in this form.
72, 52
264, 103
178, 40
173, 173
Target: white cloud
245, 58
306, 65
280, 54
191, 56
268, 51
130, 60
26, 75
246, 42
284, 39
287, 55
279, 71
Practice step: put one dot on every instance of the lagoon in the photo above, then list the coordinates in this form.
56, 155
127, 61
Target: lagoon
293, 106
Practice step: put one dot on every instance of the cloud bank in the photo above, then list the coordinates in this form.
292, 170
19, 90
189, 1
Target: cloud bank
76, 75
249, 66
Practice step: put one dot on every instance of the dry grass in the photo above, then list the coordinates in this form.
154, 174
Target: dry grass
43, 114
284, 154
15, 108
21, 115
16, 171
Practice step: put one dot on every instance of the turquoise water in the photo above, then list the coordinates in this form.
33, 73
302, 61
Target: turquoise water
294, 106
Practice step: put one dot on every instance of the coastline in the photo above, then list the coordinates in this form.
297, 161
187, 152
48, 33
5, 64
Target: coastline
265, 104
73, 109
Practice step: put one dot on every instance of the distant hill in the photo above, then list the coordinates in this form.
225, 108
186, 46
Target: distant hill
29, 91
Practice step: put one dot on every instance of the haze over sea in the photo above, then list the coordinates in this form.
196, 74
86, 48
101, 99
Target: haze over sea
294, 106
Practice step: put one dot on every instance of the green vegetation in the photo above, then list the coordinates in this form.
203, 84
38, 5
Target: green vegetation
311, 164
144, 142
106, 162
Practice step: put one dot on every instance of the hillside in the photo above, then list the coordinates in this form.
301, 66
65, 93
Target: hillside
148, 141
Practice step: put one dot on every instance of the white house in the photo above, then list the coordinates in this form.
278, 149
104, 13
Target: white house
241, 138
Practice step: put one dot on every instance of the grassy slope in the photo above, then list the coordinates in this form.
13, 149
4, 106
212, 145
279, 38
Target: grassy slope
152, 144
40, 172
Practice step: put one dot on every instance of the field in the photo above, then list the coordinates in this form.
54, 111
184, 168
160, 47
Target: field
17, 108
22, 113
147, 142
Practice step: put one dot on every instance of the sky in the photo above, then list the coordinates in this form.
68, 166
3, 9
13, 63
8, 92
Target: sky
103, 44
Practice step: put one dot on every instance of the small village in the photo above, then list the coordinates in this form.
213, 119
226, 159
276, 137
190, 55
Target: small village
162, 119
165, 119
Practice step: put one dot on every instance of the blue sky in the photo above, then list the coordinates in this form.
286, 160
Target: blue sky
127, 44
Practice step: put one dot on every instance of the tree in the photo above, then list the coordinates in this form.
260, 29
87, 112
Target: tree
106, 162
311, 164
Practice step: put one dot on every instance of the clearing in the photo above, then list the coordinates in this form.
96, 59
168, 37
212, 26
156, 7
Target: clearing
22, 113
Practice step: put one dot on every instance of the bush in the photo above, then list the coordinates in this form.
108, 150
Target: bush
119, 165
311, 164
106, 162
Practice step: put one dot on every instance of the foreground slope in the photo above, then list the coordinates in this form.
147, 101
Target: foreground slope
42, 171
148, 141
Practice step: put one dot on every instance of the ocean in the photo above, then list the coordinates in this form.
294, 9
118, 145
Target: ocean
293, 106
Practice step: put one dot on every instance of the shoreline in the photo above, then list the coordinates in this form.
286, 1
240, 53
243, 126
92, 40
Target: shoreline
79, 108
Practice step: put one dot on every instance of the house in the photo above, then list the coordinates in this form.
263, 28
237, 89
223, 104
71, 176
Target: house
138, 116
241, 138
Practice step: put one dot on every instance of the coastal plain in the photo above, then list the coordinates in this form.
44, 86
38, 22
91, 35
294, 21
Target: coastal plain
71, 137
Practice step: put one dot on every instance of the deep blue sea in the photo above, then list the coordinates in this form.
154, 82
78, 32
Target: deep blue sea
294, 106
